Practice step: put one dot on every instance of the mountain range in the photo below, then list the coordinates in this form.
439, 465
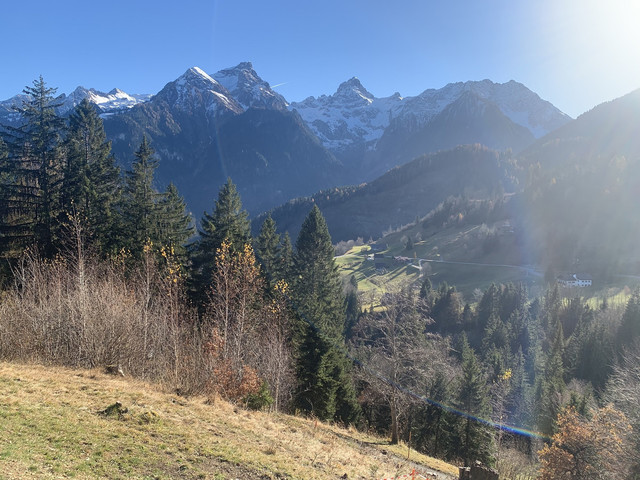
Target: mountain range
205, 128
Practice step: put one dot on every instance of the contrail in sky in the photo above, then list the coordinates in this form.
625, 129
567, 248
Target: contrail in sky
279, 85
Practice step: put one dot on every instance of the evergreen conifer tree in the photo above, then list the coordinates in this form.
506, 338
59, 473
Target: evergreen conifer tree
176, 225
630, 328
475, 438
268, 249
285, 259
91, 178
435, 426
228, 222
5, 196
549, 399
325, 386
425, 288
352, 305
520, 401
140, 204
489, 305
33, 174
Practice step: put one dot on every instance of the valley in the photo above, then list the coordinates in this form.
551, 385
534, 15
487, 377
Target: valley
446, 321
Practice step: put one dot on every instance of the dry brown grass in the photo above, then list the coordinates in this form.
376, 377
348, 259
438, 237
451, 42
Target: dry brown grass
51, 429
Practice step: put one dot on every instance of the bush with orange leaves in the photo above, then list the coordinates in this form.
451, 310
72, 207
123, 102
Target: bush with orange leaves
247, 335
588, 449
231, 381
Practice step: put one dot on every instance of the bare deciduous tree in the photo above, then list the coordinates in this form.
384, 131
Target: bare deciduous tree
391, 344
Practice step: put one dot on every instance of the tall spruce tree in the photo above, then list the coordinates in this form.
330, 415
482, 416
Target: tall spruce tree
550, 390
285, 259
140, 204
5, 196
325, 386
268, 249
91, 178
176, 224
475, 438
33, 174
352, 305
434, 427
228, 221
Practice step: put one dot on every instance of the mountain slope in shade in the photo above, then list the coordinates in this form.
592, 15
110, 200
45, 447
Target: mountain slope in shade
469, 119
400, 195
202, 135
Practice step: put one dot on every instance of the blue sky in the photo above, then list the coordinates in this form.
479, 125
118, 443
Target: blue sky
574, 53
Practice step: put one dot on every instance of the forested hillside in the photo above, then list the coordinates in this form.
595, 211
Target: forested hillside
403, 194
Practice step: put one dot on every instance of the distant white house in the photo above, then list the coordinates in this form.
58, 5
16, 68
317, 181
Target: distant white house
575, 280
506, 227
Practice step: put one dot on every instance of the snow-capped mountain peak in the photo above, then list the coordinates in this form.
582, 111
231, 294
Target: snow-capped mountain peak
350, 117
248, 89
352, 90
195, 76
195, 89
110, 102
353, 116
107, 103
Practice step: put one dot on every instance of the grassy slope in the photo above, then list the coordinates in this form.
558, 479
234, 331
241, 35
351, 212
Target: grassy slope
50, 428
455, 244
460, 244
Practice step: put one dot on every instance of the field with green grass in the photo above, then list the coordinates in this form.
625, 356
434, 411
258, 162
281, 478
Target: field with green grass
56, 423
460, 256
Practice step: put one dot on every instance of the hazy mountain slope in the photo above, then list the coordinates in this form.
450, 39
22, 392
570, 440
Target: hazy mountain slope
402, 194
608, 129
583, 190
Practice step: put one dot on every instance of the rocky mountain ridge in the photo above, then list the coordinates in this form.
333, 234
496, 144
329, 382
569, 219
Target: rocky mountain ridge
354, 116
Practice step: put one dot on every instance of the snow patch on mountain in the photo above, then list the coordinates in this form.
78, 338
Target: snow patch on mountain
353, 115
195, 89
107, 103
248, 89
8, 116
110, 102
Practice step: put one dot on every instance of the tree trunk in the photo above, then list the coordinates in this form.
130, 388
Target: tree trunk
394, 418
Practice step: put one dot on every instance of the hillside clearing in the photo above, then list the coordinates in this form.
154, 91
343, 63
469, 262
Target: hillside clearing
456, 256
52, 428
